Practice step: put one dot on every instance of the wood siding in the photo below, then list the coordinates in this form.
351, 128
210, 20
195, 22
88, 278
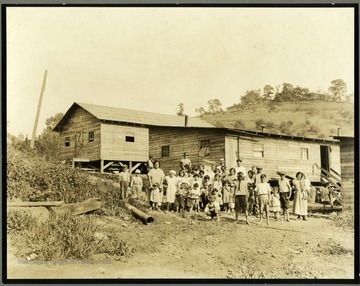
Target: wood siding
279, 155
81, 122
187, 140
115, 147
347, 156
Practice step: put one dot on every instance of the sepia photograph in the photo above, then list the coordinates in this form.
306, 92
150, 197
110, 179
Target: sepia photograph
180, 142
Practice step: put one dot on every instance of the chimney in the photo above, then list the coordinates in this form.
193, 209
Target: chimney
186, 120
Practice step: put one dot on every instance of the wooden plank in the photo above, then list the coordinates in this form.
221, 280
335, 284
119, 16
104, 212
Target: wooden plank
80, 208
35, 204
134, 168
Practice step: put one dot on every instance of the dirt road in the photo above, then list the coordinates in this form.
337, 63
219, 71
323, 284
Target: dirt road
174, 247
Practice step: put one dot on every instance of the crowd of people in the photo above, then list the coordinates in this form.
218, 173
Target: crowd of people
217, 191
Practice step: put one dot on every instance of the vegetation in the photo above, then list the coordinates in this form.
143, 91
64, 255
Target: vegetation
50, 241
287, 109
316, 119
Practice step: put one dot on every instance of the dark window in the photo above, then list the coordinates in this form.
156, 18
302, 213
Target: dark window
204, 143
91, 136
129, 138
165, 150
67, 141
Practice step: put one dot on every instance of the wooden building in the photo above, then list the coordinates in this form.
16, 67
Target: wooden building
103, 137
347, 158
272, 152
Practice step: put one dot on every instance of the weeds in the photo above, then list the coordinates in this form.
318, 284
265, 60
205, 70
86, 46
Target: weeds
18, 221
63, 237
345, 221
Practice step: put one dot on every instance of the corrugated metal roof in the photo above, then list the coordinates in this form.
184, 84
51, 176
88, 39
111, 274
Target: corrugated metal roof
115, 114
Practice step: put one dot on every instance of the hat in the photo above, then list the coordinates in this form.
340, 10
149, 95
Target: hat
280, 173
172, 172
137, 171
239, 160
259, 168
211, 198
196, 185
222, 160
196, 174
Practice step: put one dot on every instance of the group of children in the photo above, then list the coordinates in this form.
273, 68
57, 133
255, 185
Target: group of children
185, 192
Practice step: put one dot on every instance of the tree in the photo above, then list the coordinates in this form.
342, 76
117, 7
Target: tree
251, 99
47, 144
269, 92
287, 93
181, 109
214, 106
200, 110
338, 90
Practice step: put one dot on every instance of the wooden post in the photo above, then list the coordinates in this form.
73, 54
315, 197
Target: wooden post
32, 143
101, 166
130, 167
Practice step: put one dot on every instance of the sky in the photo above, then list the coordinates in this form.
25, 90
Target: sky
152, 59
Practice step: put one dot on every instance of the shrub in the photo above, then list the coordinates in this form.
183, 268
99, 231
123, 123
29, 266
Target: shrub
18, 221
314, 129
239, 124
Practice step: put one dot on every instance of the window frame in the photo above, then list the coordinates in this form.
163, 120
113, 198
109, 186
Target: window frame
165, 151
91, 136
67, 141
307, 153
130, 138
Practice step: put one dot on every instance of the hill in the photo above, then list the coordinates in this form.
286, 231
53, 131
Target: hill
319, 119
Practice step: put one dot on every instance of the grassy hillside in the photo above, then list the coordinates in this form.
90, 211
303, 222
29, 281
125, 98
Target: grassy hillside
310, 119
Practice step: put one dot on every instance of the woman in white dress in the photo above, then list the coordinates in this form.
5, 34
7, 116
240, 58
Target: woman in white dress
172, 182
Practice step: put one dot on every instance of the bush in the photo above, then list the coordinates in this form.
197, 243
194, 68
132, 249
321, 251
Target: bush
18, 221
314, 129
239, 124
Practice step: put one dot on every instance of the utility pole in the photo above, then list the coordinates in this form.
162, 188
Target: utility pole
32, 143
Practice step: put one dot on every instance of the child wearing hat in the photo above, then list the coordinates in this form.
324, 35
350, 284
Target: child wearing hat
285, 194
136, 184
211, 208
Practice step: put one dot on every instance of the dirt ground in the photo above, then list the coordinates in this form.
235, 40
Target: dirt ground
174, 247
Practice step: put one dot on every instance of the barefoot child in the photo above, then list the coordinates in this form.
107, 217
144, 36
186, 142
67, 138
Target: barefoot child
155, 197
263, 190
241, 198
226, 196
285, 194
136, 184
275, 202
211, 208
232, 197
181, 198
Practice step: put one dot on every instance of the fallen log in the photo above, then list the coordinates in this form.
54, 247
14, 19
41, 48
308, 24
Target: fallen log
145, 218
